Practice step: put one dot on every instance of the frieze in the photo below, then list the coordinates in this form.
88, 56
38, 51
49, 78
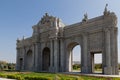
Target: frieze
96, 40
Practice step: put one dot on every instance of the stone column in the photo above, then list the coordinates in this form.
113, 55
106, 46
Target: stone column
116, 51
36, 56
24, 58
107, 69
56, 55
84, 54
62, 56
114, 54
17, 60
33, 58
40, 57
51, 55
112, 39
67, 58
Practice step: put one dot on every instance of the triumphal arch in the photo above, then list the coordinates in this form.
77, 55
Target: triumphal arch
50, 46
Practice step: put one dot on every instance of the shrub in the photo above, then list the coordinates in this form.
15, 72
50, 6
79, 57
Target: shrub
20, 78
3, 75
36, 78
11, 76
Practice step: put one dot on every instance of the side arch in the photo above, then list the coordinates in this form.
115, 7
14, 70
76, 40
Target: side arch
29, 60
69, 59
20, 63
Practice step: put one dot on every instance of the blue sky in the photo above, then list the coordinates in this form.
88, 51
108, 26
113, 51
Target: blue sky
18, 16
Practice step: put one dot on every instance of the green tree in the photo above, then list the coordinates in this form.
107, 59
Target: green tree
7, 66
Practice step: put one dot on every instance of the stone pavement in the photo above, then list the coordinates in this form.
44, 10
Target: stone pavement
96, 75
6, 79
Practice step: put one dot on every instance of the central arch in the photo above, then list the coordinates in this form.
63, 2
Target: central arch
70, 53
46, 59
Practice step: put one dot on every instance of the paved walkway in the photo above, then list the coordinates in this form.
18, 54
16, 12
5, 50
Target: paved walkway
6, 79
96, 75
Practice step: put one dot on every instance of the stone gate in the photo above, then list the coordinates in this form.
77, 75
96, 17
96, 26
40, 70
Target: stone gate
50, 46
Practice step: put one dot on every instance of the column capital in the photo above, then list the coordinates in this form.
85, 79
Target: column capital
84, 33
106, 29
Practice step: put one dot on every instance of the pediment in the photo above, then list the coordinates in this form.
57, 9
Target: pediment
46, 20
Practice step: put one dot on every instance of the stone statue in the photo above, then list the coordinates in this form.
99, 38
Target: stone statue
18, 40
106, 12
46, 14
85, 17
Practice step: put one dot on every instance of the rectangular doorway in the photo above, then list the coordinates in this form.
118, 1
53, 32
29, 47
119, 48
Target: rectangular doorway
96, 62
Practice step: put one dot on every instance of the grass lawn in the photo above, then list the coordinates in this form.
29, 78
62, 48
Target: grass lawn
47, 76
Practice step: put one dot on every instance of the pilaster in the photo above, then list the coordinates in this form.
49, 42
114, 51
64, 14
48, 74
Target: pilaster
36, 56
17, 59
116, 51
84, 55
24, 58
114, 54
62, 55
56, 51
51, 56
108, 68
40, 58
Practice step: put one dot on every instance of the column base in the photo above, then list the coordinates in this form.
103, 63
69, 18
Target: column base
115, 70
36, 69
51, 69
61, 69
84, 70
108, 70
